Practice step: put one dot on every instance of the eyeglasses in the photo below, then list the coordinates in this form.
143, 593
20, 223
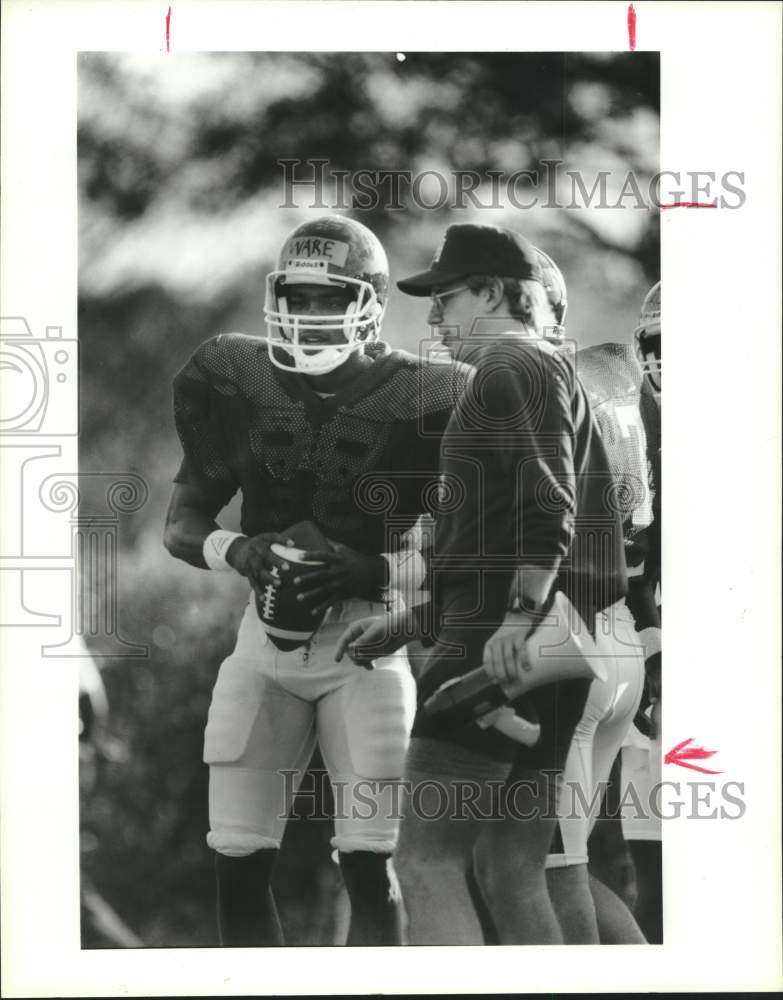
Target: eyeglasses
437, 297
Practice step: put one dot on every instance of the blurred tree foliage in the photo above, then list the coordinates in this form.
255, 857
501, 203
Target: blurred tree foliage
480, 111
189, 144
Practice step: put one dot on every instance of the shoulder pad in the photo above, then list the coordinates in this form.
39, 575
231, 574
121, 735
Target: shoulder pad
608, 371
223, 359
234, 364
414, 387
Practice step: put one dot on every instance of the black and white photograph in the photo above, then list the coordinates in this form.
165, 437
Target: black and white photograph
334, 530
330, 287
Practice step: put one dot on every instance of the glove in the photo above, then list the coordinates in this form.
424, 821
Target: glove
346, 574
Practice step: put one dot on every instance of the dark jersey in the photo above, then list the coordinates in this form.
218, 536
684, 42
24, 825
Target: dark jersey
530, 485
360, 464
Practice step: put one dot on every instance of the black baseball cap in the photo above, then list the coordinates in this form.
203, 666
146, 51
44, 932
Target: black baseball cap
470, 249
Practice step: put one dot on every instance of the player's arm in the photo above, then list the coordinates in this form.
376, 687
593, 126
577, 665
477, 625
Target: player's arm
206, 480
193, 535
190, 519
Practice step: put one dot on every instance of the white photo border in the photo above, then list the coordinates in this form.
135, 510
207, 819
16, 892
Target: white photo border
720, 111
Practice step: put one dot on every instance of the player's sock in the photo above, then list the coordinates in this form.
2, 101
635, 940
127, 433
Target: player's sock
649, 904
246, 911
376, 912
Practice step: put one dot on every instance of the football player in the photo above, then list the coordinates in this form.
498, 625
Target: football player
589, 911
319, 422
525, 448
642, 751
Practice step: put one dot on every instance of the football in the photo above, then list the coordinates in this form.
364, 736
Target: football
288, 622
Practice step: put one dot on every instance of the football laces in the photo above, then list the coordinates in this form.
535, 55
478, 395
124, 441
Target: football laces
268, 610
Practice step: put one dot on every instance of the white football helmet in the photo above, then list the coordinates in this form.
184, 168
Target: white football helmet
555, 288
647, 338
335, 251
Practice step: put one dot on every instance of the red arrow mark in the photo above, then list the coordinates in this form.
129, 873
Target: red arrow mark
631, 27
691, 204
168, 27
682, 753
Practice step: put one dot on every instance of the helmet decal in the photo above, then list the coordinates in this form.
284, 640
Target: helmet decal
313, 255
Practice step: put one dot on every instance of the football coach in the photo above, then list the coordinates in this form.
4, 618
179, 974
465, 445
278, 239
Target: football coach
534, 516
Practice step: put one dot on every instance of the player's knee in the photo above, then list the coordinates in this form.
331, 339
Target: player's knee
239, 844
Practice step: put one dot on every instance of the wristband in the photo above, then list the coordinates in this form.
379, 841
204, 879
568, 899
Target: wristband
407, 570
215, 547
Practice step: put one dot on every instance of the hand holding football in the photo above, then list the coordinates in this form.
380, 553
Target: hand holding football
288, 621
345, 574
252, 557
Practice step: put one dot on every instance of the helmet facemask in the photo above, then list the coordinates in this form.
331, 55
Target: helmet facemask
342, 256
555, 289
359, 324
647, 339
648, 354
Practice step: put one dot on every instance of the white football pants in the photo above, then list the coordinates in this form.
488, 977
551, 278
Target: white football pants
608, 715
268, 710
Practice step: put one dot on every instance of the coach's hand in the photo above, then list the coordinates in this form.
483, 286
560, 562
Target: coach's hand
346, 574
506, 657
368, 639
253, 558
